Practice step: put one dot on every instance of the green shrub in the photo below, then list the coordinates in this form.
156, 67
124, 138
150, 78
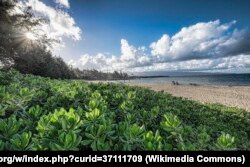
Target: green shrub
42, 114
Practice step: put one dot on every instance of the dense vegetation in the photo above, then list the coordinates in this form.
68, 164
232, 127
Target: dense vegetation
98, 75
43, 114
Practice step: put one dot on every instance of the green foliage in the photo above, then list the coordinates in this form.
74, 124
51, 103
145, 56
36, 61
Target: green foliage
2, 144
97, 106
153, 142
6, 77
203, 139
10, 126
21, 142
59, 121
34, 112
225, 142
171, 123
58, 129
66, 141
131, 136
42, 114
99, 137
2, 110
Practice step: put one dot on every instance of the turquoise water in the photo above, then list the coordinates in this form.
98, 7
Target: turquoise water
225, 79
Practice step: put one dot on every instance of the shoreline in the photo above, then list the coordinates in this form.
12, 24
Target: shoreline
232, 96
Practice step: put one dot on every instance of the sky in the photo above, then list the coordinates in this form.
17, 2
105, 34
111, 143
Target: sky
140, 36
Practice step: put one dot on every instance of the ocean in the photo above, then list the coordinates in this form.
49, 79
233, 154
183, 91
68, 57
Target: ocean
218, 79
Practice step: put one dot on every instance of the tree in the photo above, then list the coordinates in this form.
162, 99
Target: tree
12, 30
23, 54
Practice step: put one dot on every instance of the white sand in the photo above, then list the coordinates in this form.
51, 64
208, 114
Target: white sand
236, 96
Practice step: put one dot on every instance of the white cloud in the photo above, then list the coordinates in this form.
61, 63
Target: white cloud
191, 42
60, 23
128, 52
64, 3
18, 9
130, 57
161, 47
111, 63
98, 62
200, 47
236, 63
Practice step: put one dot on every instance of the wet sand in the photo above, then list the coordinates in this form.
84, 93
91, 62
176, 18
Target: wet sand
235, 96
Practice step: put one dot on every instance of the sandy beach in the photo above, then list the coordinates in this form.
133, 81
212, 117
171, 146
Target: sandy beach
235, 96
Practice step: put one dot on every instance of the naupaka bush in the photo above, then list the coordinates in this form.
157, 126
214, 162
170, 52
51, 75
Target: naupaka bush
42, 114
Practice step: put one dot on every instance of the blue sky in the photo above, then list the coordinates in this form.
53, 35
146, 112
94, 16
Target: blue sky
128, 28
105, 22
